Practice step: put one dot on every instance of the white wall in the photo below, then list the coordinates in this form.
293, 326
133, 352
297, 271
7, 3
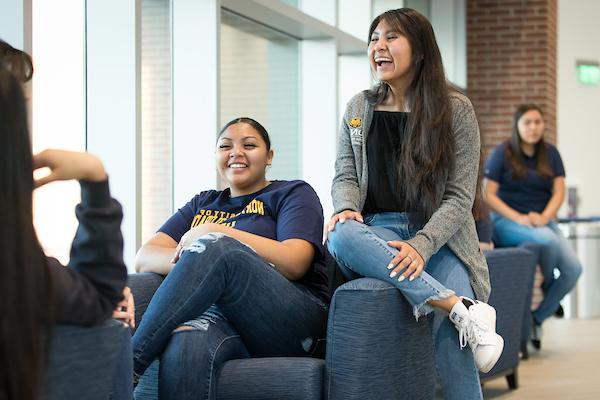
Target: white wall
578, 119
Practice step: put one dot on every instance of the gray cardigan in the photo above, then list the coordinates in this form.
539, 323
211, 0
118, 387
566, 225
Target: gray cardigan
452, 223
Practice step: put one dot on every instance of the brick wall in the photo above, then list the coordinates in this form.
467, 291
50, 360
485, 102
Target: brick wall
511, 59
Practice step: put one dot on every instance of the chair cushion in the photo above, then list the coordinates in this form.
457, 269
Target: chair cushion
273, 378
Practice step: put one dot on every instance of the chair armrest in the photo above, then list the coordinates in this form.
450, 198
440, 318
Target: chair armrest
143, 285
84, 361
511, 275
375, 348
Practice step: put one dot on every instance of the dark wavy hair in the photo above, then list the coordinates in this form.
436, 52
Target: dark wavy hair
25, 287
514, 153
253, 123
16, 61
427, 155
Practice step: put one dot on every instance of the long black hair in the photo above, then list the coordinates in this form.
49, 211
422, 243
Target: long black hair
427, 155
25, 288
514, 153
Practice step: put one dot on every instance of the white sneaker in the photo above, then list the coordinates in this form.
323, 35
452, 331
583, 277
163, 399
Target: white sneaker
476, 326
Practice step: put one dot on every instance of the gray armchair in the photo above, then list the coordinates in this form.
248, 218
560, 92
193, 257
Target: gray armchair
92, 363
511, 275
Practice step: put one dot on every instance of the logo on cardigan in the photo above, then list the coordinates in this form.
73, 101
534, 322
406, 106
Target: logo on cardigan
355, 122
356, 136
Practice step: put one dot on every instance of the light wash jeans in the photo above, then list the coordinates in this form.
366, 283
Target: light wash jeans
555, 253
361, 250
260, 313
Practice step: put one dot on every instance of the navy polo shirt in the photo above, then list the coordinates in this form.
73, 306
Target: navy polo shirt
531, 193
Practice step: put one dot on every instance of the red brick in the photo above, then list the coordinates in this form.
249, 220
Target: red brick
511, 59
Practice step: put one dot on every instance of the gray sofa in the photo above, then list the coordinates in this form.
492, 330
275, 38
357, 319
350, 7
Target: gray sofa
375, 349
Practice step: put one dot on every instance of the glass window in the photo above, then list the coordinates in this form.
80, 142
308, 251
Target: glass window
259, 78
58, 113
156, 116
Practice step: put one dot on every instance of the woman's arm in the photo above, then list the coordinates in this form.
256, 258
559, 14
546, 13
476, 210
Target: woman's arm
498, 206
156, 255
558, 196
344, 189
459, 193
87, 292
291, 257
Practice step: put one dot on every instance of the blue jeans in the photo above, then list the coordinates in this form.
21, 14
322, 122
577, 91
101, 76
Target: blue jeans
258, 313
555, 253
361, 250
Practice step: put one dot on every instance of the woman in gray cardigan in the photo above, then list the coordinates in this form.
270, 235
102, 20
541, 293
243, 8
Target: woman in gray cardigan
405, 183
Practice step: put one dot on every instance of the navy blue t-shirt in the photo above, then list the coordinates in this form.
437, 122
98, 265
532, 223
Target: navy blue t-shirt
531, 193
282, 210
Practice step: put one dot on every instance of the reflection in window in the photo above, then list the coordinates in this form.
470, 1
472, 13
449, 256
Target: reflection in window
259, 79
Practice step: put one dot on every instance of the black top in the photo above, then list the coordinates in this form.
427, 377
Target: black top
384, 141
88, 290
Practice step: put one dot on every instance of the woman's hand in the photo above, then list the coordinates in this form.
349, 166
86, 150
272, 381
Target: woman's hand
523, 219
341, 218
125, 310
65, 165
538, 219
192, 235
407, 258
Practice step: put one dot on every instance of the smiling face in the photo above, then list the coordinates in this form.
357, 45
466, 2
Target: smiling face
530, 127
390, 55
242, 157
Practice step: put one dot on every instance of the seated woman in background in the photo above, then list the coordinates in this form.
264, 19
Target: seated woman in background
525, 187
36, 291
246, 275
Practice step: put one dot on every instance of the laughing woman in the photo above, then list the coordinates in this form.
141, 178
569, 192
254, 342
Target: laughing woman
404, 188
245, 272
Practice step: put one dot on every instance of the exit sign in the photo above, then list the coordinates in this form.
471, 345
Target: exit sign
588, 72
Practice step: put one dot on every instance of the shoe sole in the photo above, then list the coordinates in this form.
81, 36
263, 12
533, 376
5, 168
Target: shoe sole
499, 348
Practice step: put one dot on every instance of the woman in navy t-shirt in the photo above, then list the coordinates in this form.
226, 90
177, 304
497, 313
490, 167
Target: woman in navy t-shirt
525, 187
245, 269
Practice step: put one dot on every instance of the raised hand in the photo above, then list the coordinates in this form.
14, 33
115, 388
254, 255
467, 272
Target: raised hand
65, 165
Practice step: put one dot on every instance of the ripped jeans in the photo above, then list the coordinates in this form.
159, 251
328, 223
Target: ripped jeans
361, 250
258, 313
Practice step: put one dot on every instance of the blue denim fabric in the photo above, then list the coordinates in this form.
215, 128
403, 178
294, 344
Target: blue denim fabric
556, 252
372, 255
260, 313
361, 250
122, 388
